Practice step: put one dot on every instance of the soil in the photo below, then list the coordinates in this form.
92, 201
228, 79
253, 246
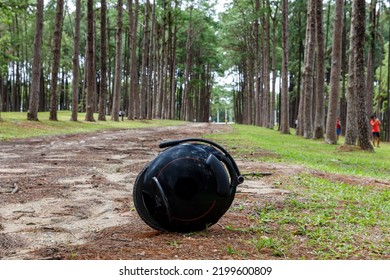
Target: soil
70, 197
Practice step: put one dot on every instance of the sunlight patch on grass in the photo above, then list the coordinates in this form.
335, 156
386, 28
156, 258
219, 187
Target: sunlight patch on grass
15, 125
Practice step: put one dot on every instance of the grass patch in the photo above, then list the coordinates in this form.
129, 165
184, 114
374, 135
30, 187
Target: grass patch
331, 220
320, 218
15, 125
262, 144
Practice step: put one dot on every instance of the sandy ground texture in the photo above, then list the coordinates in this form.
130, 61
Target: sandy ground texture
70, 197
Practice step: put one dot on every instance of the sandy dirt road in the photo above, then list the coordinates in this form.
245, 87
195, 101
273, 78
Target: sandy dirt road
70, 197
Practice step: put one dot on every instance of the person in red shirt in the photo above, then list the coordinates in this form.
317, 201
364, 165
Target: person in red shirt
338, 128
375, 128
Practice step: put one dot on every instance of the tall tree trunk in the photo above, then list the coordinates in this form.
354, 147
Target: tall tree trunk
42, 92
103, 62
371, 59
151, 68
95, 96
162, 66
256, 62
250, 86
126, 71
184, 113
267, 66
18, 93
358, 22
331, 137
165, 75
157, 76
244, 92
66, 91
133, 94
274, 71
308, 71
144, 67
32, 114
299, 104
343, 99
118, 66
75, 73
172, 84
284, 100
109, 68
351, 121
89, 64
26, 69
56, 59
319, 89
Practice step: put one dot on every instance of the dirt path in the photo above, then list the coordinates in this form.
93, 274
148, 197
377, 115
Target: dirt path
70, 197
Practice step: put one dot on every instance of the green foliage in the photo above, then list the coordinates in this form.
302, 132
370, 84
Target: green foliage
205, 39
234, 28
9, 11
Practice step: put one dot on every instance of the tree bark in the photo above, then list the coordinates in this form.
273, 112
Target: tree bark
184, 112
133, 94
256, 62
172, 83
56, 59
344, 65
370, 78
151, 68
89, 64
162, 66
284, 100
144, 67
267, 67
358, 23
274, 71
331, 137
32, 114
103, 62
118, 66
75, 60
320, 81
351, 123
308, 72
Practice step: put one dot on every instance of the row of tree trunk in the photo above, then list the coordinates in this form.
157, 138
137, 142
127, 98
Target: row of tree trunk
254, 101
146, 81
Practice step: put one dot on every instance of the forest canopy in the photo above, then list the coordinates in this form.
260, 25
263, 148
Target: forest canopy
277, 64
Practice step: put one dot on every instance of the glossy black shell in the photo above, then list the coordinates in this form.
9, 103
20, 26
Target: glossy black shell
178, 191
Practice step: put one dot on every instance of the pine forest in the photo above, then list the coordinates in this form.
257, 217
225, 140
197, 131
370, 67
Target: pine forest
295, 66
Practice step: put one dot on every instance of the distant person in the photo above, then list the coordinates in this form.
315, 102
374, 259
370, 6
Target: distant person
375, 128
338, 128
121, 114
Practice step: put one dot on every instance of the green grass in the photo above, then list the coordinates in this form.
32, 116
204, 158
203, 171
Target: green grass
268, 145
330, 220
322, 217
15, 125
